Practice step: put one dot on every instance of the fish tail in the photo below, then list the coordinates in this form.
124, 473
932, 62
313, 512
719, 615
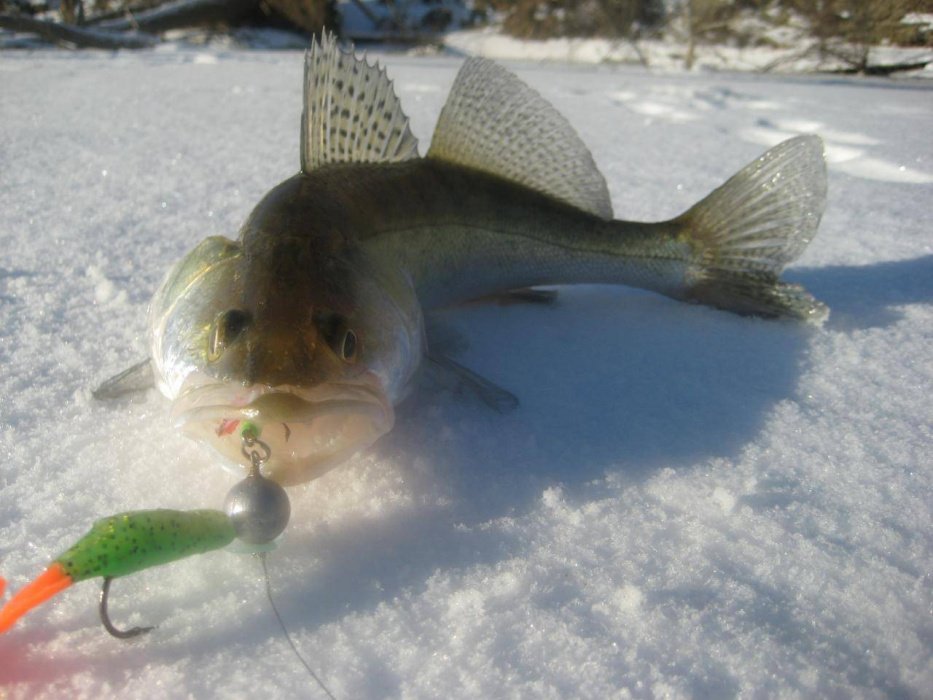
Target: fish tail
745, 232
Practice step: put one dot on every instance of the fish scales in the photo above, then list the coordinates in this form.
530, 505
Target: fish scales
309, 328
462, 234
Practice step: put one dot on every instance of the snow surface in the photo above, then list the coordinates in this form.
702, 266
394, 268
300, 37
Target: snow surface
686, 504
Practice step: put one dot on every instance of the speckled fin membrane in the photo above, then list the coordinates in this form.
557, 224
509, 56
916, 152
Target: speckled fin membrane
765, 215
495, 123
351, 113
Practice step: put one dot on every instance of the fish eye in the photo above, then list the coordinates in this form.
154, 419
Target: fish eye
348, 347
227, 326
339, 336
234, 323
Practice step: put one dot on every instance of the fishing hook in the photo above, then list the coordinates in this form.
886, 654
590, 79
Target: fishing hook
254, 449
105, 617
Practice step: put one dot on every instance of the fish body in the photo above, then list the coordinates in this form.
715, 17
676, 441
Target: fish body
309, 327
458, 234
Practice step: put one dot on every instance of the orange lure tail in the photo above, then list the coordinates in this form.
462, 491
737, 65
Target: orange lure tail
50, 582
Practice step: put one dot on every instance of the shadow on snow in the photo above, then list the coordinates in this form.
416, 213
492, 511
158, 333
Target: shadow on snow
610, 381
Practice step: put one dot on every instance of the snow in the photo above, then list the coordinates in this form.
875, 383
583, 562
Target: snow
686, 503
793, 51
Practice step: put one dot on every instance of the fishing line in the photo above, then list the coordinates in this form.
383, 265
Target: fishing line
288, 637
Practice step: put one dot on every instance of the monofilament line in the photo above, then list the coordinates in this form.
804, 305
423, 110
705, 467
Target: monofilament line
265, 571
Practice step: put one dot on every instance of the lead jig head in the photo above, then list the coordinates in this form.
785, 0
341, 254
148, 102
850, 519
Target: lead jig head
257, 507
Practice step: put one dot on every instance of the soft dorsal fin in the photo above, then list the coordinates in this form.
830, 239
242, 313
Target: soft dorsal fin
351, 113
495, 123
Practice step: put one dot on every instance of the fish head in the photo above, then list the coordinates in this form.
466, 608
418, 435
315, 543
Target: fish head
308, 356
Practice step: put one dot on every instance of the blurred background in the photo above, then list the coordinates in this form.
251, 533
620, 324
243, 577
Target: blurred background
857, 36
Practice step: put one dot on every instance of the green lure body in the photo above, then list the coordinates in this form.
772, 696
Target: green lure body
119, 545
128, 542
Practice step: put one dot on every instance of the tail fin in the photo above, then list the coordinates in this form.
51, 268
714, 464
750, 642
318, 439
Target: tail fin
746, 231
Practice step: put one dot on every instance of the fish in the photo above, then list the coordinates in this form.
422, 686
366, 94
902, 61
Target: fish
309, 328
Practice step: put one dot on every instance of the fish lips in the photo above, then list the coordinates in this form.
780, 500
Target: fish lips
308, 430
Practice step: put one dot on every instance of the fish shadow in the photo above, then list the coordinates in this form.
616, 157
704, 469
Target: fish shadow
868, 296
611, 381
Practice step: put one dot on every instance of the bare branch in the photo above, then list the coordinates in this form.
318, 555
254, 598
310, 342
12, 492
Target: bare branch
75, 36
186, 13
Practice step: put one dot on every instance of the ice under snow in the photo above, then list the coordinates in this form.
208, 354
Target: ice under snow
686, 504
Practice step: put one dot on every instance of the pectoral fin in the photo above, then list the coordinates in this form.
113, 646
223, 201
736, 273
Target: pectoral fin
139, 377
494, 396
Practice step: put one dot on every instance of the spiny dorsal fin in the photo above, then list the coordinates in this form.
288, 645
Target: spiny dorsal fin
495, 123
351, 113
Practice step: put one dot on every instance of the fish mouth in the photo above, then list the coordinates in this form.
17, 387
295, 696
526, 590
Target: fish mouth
308, 430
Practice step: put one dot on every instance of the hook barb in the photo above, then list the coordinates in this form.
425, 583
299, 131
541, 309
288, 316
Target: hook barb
105, 617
